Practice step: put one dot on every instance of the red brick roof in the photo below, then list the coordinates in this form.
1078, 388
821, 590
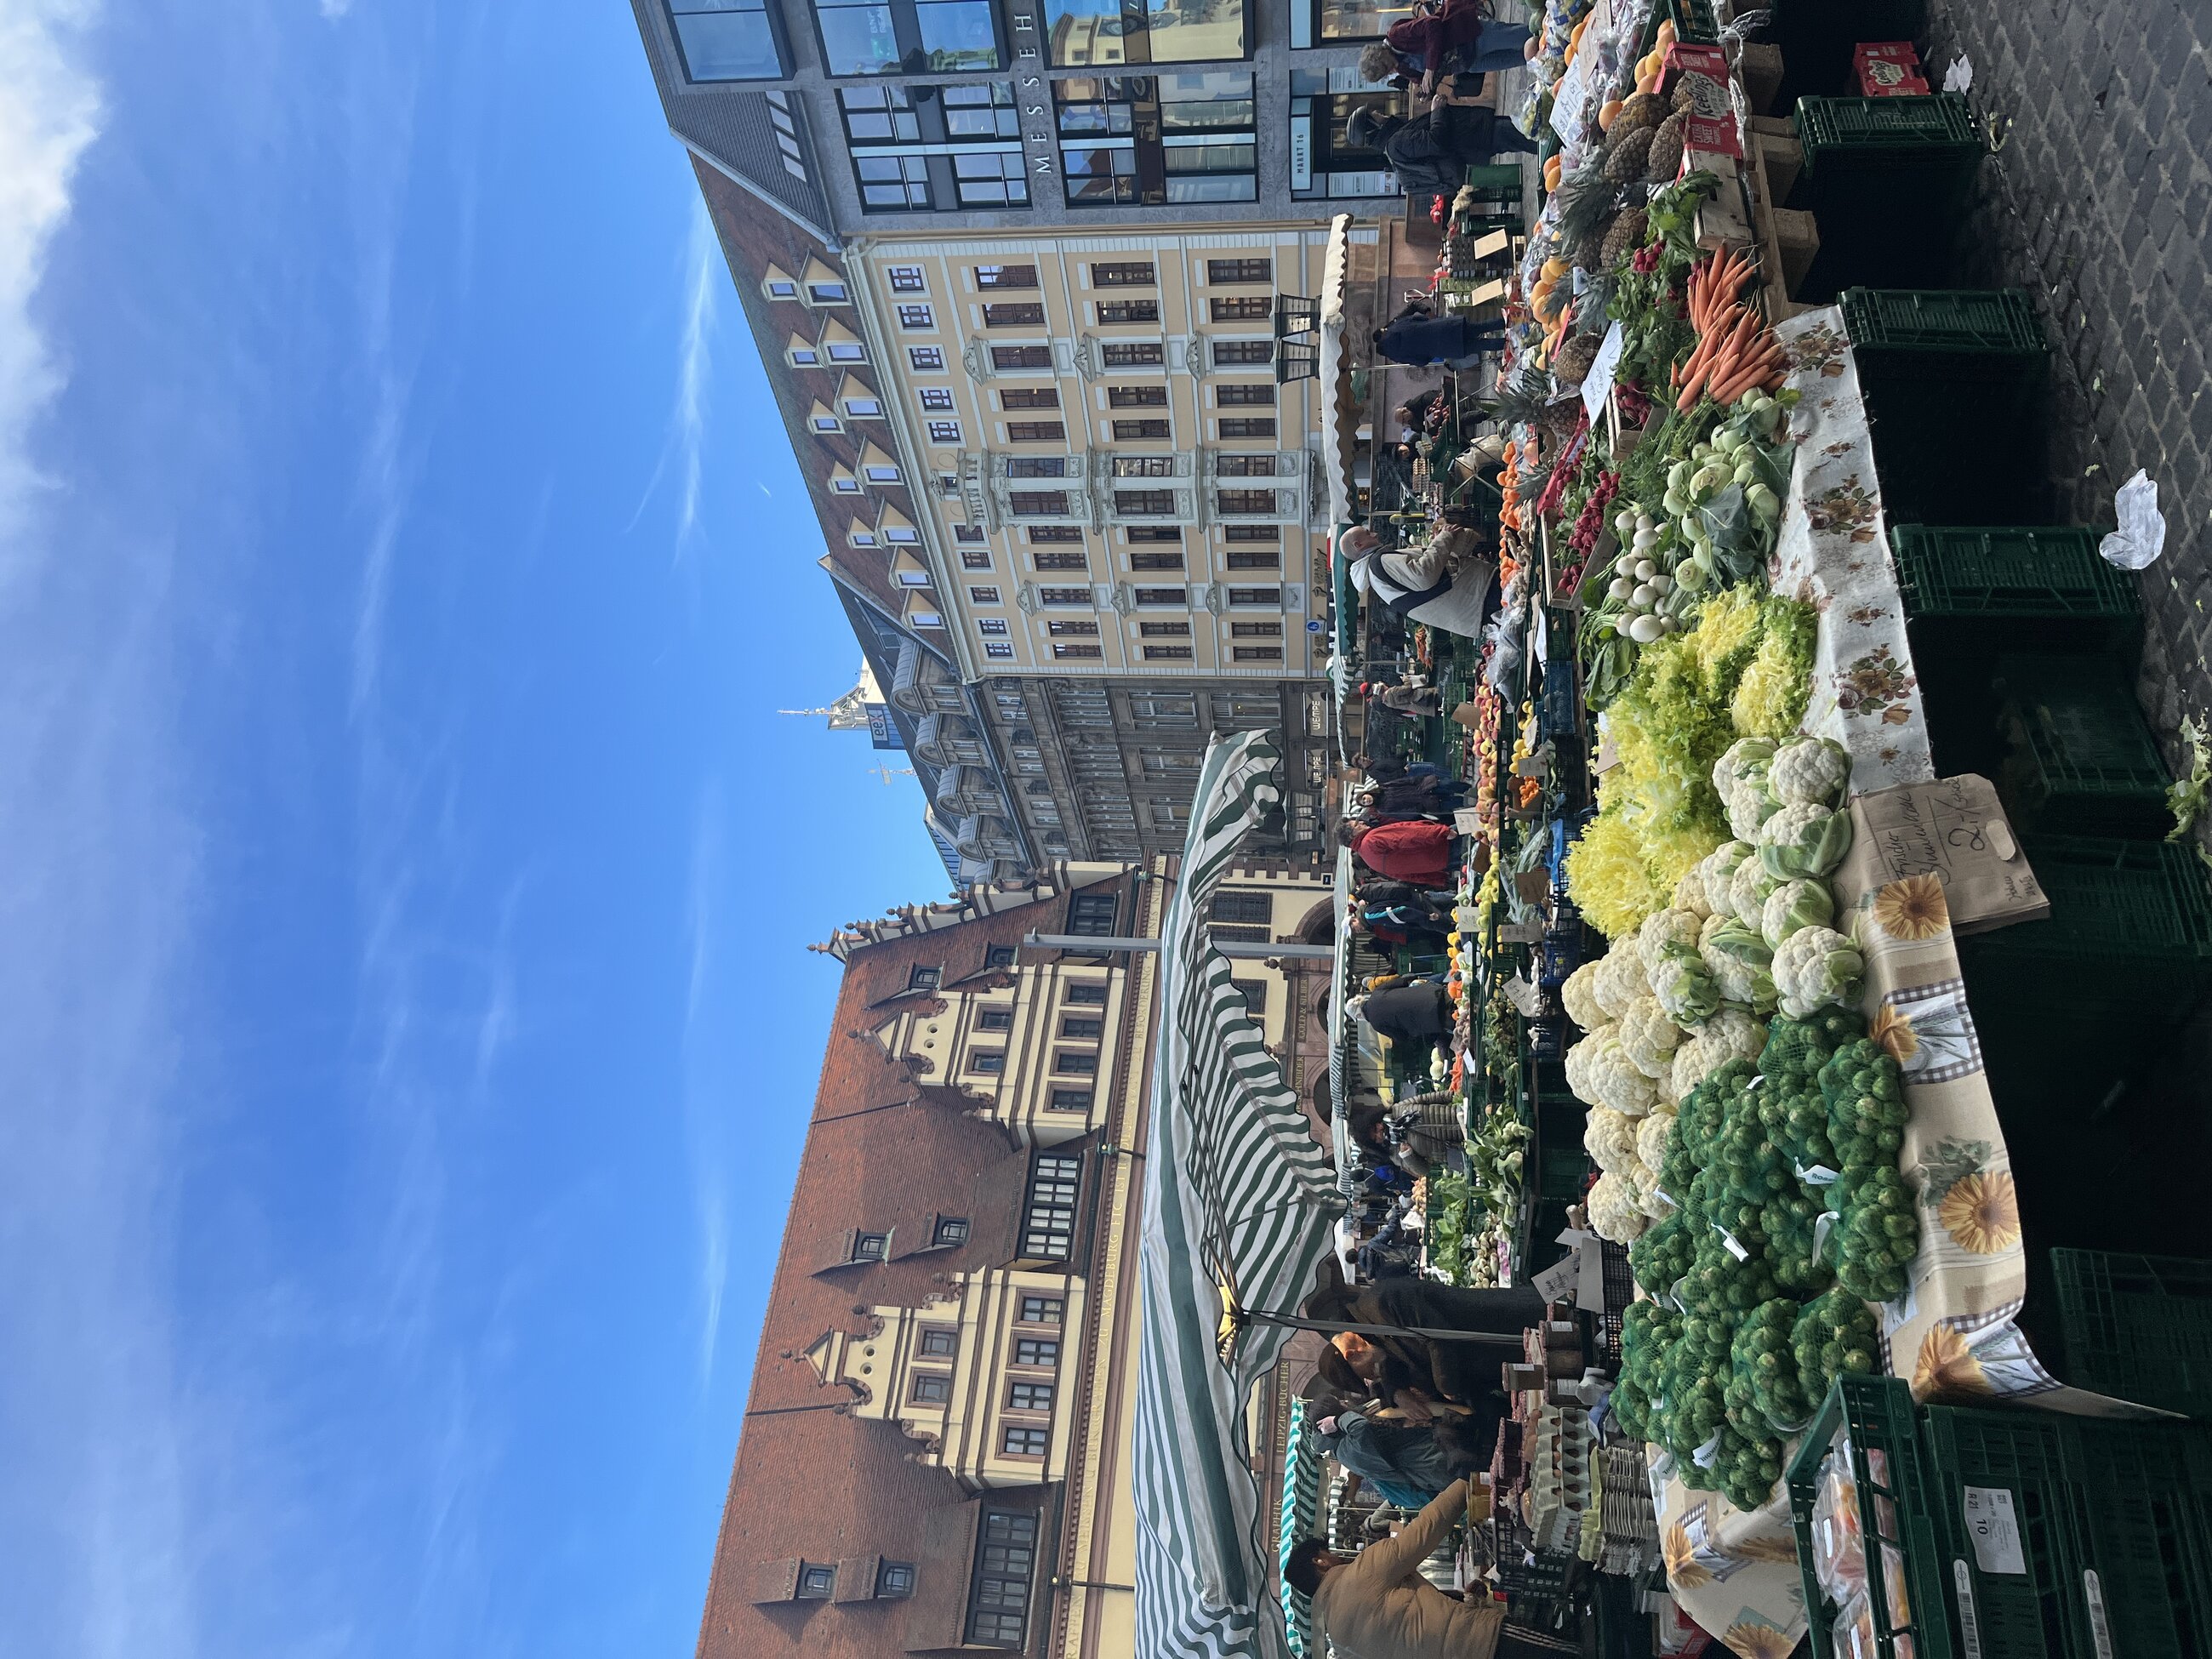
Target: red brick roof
811, 1483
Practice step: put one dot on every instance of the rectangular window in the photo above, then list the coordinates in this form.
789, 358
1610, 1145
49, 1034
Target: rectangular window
1254, 992
1048, 561
987, 1062
1028, 1396
1113, 314
1026, 313
1242, 309
1144, 467
1000, 278
916, 317
984, 595
1038, 504
1026, 357
1043, 1310
1254, 558
1037, 466
816, 1583
1084, 993
924, 979
944, 432
946, 36
1239, 352
1235, 905
1080, 652
940, 1344
880, 475
1071, 1100
895, 1578
1072, 1064
1244, 500
1255, 653
1252, 532
926, 360
1036, 432
1054, 532
931, 1388
935, 397
951, 1230
1247, 426
1222, 273
1005, 1560
1255, 596
1142, 354
1223, 933
1081, 1025
1049, 1215
1167, 654
1133, 431
1064, 596
1030, 397
1266, 630
725, 40
1039, 1350
992, 627
1024, 1441
1136, 396
998, 648
1244, 466
975, 558
1164, 630
907, 279
1129, 273
995, 1020
847, 351
1137, 533
1156, 562
1080, 630
1000, 955
1144, 503
870, 1247
1174, 596
1092, 914
1239, 395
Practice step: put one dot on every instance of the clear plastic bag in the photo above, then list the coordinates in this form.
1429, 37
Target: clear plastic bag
1852, 1635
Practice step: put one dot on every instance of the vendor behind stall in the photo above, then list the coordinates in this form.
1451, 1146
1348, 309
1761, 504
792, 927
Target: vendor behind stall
1374, 1605
1450, 584
1417, 852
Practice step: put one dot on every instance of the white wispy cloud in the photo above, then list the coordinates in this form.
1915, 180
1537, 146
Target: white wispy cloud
704, 1098
50, 111
682, 449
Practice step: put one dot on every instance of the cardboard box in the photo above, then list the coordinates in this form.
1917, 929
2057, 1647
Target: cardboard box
1709, 135
1887, 69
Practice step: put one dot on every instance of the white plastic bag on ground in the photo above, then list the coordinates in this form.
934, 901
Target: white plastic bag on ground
2141, 534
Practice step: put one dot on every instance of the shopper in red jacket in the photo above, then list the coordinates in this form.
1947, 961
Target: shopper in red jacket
1415, 851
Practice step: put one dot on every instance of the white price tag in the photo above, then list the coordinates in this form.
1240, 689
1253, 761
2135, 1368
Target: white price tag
1969, 1624
1993, 1529
1567, 100
1599, 380
1554, 1283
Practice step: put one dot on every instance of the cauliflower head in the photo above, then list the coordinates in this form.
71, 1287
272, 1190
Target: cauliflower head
1684, 987
1690, 891
1739, 960
1616, 1081
1747, 758
1616, 1210
1665, 928
1809, 772
1718, 869
1749, 806
1814, 967
1649, 1037
1576, 1063
1748, 891
1578, 996
1799, 842
1610, 1140
1620, 978
1732, 1034
1651, 1134
1793, 905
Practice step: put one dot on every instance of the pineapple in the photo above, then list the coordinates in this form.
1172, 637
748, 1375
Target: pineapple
1630, 154
1624, 237
1663, 157
1646, 109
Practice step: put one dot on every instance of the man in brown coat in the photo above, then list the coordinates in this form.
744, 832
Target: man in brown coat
1374, 1605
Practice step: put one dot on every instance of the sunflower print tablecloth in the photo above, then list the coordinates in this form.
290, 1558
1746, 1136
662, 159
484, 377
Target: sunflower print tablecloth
1952, 1334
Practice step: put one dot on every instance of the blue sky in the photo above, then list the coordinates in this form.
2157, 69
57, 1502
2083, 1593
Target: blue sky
404, 874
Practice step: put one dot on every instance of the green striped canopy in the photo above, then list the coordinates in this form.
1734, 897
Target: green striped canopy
1301, 1501
1239, 1204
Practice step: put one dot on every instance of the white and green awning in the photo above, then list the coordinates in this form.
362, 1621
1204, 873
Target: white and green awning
1302, 1462
1239, 1203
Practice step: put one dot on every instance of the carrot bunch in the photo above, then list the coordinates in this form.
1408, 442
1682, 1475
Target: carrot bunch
1736, 349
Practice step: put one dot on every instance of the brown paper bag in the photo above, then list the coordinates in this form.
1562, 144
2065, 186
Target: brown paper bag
1952, 828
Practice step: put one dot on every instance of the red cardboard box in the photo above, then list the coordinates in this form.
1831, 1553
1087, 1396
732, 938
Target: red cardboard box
1711, 135
1887, 69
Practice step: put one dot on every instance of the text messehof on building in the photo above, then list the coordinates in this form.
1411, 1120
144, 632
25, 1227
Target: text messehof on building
1012, 269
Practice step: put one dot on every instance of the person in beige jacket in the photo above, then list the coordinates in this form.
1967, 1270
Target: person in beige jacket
1374, 1605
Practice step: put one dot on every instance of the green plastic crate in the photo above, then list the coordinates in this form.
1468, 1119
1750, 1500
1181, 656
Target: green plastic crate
2115, 906
1878, 1411
1945, 331
2149, 1494
2043, 1612
2049, 579
2080, 755
2137, 1326
1936, 132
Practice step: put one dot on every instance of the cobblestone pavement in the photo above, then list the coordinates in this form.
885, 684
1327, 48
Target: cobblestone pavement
2099, 199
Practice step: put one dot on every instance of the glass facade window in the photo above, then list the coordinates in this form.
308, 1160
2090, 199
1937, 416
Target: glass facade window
1039, 503
1091, 914
1022, 356
916, 317
1252, 532
1040, 1351
1156, 139
1026, 1441
910, 37
1046, 1310
975, 558
1142, 354
1153, 533
1244, 466
1144, 467
1085, 653
815, 1583
928, 360
1028, 1396
1325, 162
1130, 431
1242, 906
907, 279
1226, 272
1255, 630
995, 278
1154, 561
1054, 532
1037, 396
968, 532
1248, 426
1025, 313
940, 1344
1096, 33
998, 649
1124, 273
1255, 596
987, 1062
936, 397
1085, 993
931, 1388
1049, 1217
1244, 500
1157, 630
992, 626
1244, 351
984, 595
1241, 308
1254, 558
1144, 503
1050, 562
1070, 1100
1255, 653
1174, 596
1072, 628
1063, 596
1136, 396
726, 40
946, 148
1037, 466
1167, 654
1240, 395
1036, 432
944, 432
895, 1578
1122, 312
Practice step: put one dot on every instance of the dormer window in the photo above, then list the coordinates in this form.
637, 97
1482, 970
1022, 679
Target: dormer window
847, 351
870, 1247
827, 294
816, 1583
924, 978
951, 1230
781, 290
895, 1578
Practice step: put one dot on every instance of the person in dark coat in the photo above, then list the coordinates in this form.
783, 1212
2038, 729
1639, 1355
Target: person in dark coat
1460, 35
1382, 890
1431, 153
1416, 337
1410, 1371
1426, 793
1417, 852
1412, 1014
1388, 1454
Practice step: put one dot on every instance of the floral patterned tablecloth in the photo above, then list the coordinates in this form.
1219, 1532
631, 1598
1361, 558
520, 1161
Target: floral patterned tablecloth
1953, 1333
